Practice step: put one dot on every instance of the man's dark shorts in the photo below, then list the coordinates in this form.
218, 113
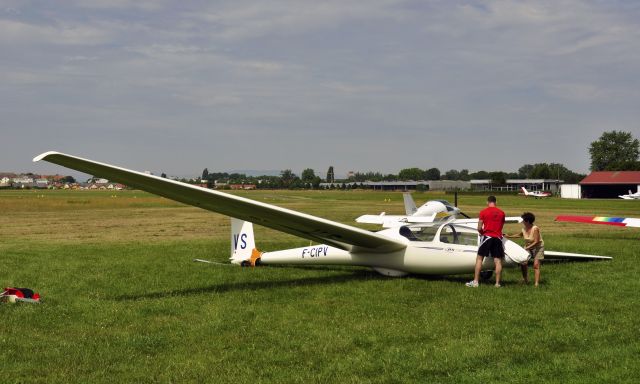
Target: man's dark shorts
491, 247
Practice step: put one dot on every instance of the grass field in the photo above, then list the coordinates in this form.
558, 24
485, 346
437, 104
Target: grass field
123, 301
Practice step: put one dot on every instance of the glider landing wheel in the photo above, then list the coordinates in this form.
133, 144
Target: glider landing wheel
245, 263
486, 275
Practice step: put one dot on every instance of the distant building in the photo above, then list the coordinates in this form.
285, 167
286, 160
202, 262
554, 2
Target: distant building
42, 183
242, 186
514, 185
610, 184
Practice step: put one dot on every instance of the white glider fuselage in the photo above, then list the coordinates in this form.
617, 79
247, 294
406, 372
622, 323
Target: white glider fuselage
432, 250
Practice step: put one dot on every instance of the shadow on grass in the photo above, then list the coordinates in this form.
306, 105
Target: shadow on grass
360, 275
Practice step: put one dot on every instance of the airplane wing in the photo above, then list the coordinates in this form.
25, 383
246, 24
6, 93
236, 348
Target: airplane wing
557, 256
616, 221
390, 221
508, 219
295, 223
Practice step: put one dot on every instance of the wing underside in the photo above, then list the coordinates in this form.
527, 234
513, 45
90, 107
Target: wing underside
295, 223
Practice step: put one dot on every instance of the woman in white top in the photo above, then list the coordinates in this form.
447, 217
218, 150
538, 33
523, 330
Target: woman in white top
533, 243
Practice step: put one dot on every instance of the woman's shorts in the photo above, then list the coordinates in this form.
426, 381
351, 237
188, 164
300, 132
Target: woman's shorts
536, 253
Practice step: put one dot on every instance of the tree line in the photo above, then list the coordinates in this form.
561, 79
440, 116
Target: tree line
613, 151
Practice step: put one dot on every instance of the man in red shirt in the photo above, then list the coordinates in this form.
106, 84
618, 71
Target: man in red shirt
490, 223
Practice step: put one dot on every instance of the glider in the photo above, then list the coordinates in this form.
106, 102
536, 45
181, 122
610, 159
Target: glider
615, 221
535, 194
433, 211
436, 248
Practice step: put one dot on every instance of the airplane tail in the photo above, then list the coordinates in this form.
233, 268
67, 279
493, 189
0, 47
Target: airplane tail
409, 204
243, 243
524, 190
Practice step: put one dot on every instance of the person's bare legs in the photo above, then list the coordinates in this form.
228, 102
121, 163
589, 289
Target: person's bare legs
536, 272
498, 262
476, 274
524, 267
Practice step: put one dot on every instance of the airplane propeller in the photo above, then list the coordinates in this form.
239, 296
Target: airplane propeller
455, 203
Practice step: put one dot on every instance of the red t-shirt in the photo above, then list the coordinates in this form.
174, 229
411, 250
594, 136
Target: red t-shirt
492, 222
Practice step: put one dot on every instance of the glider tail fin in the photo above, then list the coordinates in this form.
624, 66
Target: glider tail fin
524, 190
243, 243
409, 204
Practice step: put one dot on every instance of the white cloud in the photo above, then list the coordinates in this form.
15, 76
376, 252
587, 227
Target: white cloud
17, 32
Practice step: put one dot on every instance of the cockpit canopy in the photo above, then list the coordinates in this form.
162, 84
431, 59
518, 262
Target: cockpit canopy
446, 233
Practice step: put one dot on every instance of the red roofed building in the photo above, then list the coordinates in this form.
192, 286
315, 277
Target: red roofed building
610, 184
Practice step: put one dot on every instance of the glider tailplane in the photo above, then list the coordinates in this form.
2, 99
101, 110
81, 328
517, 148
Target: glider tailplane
243, 243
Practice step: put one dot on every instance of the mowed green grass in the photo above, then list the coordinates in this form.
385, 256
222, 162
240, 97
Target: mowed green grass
122, 300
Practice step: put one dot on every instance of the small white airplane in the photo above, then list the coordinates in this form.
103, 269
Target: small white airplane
605, 220
433, 211
435, 249
535, 194
631, 196
430, 212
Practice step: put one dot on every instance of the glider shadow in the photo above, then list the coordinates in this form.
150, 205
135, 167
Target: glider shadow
359, 275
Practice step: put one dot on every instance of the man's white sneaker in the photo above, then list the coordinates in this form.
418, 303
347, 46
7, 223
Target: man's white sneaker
472, 284
498, 286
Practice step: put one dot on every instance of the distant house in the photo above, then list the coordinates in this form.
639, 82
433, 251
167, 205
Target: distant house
23, 180
242, 186
42, 183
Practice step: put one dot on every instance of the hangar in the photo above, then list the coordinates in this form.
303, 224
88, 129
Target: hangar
610, 184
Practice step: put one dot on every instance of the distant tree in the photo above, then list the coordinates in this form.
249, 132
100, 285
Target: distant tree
548, 171
480, 175
368, 176
451, 174
315, 184
432, 174
308, 175
389, 177
164, 175
411, 174
205, 174
541, 171
498, 178
525, 171
68, 179
464, 175
615, 151
287, 177
330, 176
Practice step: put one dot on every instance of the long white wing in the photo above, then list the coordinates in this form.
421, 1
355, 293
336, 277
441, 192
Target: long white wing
552, 255
296, 223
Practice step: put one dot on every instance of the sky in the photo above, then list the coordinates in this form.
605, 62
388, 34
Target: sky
376, 85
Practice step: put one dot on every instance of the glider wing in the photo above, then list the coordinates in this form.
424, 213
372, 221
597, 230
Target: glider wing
295, 223
552, 255
616, 221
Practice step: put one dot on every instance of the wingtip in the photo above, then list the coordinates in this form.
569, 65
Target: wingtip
43, 155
